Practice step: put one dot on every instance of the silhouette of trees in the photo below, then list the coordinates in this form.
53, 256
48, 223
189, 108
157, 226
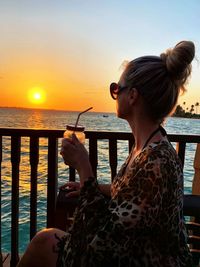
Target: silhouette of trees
186, 112
179, 111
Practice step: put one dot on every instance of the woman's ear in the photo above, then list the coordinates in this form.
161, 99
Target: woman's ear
133, 96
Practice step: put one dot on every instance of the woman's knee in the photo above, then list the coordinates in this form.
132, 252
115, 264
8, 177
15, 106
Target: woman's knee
40, 251
47, 236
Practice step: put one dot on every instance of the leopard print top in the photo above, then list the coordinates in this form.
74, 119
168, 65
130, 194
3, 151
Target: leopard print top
141, 226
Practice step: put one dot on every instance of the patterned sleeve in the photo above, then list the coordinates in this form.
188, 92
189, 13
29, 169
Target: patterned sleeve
133, 210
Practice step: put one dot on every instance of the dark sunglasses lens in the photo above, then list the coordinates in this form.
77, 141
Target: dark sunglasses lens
114, 90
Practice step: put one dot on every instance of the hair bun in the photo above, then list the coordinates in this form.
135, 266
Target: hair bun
178, 61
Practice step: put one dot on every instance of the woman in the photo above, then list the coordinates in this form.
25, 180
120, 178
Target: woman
142, 225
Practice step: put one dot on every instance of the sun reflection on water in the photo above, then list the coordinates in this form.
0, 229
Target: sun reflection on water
36, 120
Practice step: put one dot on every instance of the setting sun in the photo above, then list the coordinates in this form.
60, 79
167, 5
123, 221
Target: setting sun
36, 95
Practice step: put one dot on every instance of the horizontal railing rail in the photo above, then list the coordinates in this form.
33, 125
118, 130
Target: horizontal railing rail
52, 136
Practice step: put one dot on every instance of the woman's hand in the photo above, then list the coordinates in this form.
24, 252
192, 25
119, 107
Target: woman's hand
72, 189
73, 152
76, 156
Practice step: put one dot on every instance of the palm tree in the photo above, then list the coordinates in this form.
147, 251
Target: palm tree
192, 108
197, 105
184, 103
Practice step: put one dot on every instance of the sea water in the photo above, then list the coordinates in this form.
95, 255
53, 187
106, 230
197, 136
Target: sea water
52, 119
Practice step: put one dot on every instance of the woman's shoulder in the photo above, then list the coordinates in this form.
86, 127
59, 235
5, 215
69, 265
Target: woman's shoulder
163, 146
160, 151
159, 161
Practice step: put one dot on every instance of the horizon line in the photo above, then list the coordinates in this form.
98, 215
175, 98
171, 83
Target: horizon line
51, 109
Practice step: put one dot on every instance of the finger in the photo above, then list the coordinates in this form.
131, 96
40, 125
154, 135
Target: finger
64, 186
62, 152
70, 185
66, 141
66, 163
75, 139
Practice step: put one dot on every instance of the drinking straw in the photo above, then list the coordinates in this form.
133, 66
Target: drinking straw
80, 115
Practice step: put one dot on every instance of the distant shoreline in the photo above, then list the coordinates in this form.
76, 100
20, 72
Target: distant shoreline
180, 112
49, 109
187, 116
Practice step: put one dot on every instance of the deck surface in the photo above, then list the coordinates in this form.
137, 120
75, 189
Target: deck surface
6, 257
6, 260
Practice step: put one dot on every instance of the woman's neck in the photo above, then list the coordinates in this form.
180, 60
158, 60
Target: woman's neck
142, 132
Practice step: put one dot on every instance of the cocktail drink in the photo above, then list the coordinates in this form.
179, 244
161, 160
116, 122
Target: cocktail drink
77, 130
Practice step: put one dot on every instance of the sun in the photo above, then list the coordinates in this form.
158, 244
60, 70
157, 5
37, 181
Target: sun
36, 95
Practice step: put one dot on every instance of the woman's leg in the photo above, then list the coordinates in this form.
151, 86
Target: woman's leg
41, 252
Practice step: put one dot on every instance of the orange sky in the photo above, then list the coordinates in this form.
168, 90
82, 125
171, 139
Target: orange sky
69, 91
72, 54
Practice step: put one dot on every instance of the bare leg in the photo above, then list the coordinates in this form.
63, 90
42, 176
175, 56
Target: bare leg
40, 252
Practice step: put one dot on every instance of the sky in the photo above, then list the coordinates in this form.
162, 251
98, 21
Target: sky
64, 54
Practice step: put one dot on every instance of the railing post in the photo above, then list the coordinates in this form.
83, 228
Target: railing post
34, 160
130, 144
52, 180
93, 154
196, 179
113, 157
15, 160
72, 174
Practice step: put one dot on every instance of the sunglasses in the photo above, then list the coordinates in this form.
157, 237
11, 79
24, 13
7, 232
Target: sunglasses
115, 90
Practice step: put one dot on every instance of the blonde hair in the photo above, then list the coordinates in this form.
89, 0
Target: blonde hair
160, 79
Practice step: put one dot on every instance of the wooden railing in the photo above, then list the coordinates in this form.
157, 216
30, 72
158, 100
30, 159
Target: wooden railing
52, 169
